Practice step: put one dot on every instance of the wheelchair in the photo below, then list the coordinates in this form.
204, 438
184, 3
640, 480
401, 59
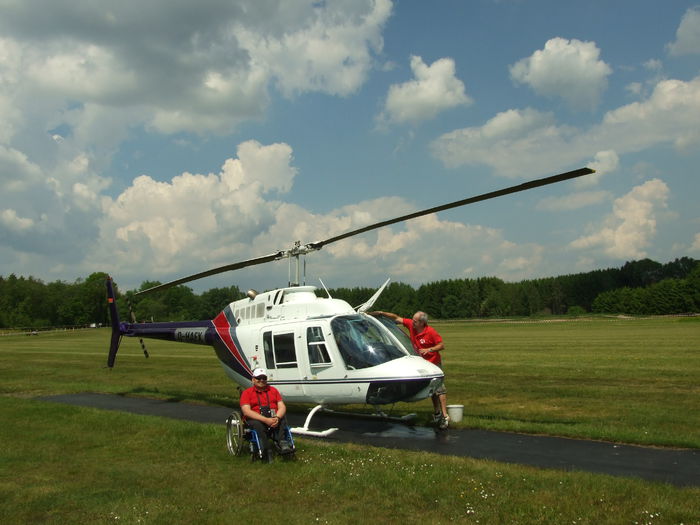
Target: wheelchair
238, 433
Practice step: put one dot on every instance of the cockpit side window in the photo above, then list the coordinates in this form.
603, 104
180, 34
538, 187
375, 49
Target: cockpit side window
316, 344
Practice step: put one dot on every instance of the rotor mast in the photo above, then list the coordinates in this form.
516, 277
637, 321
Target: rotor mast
295, 253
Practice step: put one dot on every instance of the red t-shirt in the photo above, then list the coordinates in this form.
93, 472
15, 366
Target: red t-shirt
269, 396
425, 339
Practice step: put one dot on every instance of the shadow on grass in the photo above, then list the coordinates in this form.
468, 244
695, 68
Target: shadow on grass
231, 401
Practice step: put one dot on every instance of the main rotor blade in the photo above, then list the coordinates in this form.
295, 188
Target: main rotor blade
214, 271
320, 244
486, 196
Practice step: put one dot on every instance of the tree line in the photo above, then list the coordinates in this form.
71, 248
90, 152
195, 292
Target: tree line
639, 288
29, 303
643, 287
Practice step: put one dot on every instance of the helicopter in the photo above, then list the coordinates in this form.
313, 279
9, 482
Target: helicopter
317, 350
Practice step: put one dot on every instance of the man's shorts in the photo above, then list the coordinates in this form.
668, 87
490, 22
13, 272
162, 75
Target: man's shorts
442, 389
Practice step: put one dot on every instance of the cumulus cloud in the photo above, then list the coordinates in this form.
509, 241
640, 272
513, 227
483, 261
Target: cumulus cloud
197, 217
434, 89
77, 78
42, 212
193, 222
688, 34
695, 247
573, 201
668, 115
328, 48
180, 66
514, 142
456, 249
12, 221
604, 163
630, 228
518, 141
568, 69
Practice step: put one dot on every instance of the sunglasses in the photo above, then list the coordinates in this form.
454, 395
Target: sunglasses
260, 378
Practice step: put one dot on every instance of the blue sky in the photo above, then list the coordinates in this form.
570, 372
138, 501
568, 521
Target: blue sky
155, 140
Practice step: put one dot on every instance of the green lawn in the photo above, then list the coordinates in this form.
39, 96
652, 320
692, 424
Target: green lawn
632, 381
635, 381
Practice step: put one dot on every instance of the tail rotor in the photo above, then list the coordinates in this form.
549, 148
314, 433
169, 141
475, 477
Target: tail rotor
116, 331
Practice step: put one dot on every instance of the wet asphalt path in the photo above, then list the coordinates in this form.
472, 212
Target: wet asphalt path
680, 467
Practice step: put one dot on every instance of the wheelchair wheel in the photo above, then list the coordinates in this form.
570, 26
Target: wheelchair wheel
234, 433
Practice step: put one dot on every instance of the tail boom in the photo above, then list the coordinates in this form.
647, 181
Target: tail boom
219, 333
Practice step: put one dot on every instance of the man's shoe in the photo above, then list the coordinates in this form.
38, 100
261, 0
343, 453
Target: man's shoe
437, 416
285, 447
444, 422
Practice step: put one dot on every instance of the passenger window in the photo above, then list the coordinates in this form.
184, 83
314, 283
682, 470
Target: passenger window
285, 356
267, 346
318, 354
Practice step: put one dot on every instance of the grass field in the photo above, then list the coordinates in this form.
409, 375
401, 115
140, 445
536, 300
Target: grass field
634, 381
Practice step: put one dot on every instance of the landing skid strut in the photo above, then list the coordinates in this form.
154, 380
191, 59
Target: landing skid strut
378, 414
304, 431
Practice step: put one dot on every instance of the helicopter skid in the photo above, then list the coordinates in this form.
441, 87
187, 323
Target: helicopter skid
313, 433
305, 431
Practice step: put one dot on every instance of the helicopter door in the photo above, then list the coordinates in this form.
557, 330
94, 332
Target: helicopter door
282, 363
323, 375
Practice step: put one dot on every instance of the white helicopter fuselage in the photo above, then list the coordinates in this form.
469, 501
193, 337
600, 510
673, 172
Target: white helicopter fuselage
320, 350
315, 350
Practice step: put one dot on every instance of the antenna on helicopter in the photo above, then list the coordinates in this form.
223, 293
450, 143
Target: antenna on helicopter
324, 287
300, 249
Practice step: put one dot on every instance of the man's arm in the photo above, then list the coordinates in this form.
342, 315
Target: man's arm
435, 348
252, 414
396, 318
281, 411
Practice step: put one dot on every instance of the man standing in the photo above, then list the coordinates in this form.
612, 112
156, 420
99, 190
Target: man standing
428, 344
263, 409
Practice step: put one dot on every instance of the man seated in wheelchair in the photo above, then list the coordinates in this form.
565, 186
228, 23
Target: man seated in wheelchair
263, 410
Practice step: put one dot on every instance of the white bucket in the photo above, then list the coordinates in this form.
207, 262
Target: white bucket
455, 412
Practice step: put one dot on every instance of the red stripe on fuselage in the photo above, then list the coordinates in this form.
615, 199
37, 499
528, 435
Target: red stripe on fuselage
223, 328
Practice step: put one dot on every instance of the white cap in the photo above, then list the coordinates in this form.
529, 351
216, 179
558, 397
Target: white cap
259, 372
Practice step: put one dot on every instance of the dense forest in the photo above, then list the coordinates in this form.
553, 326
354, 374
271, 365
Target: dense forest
642, 287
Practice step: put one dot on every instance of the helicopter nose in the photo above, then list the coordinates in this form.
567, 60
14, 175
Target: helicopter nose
391, 391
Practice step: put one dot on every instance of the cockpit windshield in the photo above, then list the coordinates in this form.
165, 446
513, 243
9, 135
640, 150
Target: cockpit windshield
364, 342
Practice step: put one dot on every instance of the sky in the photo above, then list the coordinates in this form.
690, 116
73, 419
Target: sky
154, 140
